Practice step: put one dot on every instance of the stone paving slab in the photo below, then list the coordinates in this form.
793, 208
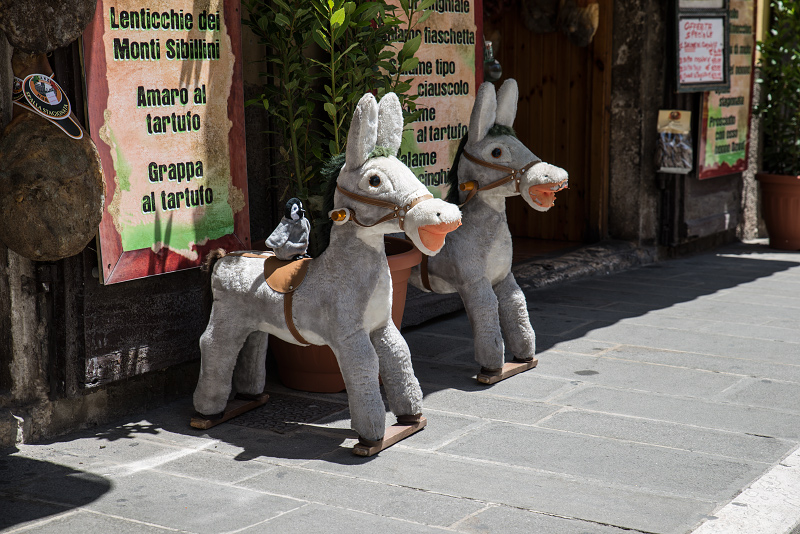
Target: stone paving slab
692, 411
607, 460
539, 491
766, 393
320, 519
636, 375
184, 503
19, 513
660, 394
671, 435
394, 501
214, 467
744, 367
86, 521
515, 521
702, 342
489, 405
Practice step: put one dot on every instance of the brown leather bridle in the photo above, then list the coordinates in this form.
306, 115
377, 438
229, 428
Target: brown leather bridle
397, 211
514, 175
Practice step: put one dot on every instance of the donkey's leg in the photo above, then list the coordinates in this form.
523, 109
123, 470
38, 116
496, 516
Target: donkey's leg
514, 319
481, 305
219, 346
359, 365
250, 371
402, 387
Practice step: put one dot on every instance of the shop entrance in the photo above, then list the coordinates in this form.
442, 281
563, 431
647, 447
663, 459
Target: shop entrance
563, 117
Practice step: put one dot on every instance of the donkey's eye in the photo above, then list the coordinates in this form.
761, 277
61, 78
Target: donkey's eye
374, 181
496, 153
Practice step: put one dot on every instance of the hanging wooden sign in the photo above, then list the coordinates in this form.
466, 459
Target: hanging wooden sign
446, 80
725, 123
165, 102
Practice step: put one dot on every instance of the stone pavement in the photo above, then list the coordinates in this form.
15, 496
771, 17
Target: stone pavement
662, 392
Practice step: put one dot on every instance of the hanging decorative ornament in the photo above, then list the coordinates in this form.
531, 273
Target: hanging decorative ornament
52, 189
578, 23
540, 16
41, 94
492, 70
41, 26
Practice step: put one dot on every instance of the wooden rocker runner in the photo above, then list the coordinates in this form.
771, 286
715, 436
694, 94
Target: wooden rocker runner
487, 376
239, 405
397, 432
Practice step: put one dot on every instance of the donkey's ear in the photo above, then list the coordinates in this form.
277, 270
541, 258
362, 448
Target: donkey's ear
390, 122
363, 132
507, 98
483, 113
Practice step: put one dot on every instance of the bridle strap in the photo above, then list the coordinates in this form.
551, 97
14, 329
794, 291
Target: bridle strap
514, 175
398, 212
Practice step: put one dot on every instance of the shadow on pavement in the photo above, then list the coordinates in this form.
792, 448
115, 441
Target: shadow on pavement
33, 489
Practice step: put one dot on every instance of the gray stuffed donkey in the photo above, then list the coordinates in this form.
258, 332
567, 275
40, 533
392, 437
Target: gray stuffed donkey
491, 165
345, 300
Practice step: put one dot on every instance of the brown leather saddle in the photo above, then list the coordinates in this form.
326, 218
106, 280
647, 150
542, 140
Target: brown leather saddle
283, 276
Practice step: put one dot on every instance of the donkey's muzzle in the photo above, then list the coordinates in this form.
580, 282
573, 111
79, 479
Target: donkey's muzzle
544, 195
432, 235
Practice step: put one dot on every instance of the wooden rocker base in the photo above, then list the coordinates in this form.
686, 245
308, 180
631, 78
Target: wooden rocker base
235, 407
394, 433
509, 369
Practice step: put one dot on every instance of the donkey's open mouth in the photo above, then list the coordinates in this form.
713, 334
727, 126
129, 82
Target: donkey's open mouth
544, 195
432, 235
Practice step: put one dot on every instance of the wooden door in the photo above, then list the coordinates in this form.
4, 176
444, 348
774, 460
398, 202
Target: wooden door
563, 117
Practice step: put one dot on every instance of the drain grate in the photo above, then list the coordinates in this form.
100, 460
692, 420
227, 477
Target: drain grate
285, 413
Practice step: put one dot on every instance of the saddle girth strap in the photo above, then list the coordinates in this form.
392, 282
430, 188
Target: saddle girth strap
398, 212
287, 295
287, 314
423, 272
513, 174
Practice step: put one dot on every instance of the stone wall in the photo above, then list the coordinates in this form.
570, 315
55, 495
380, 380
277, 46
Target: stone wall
638, 78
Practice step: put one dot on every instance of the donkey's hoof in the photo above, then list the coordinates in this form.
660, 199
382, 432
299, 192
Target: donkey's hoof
210, 417
248, 396
409, 419
370, 442
396, 432
491, 372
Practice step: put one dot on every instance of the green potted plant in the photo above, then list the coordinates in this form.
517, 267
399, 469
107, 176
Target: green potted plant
780, 114
321, 57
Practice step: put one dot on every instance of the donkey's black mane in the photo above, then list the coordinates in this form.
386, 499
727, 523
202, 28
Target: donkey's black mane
452, 177
330, 173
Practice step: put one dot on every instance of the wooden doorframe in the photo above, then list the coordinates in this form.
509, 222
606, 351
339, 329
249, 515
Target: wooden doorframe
600, 124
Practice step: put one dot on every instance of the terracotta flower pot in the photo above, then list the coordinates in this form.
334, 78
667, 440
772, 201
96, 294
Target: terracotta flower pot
314, 368
780, 207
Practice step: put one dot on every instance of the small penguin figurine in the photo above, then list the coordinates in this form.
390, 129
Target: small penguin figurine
289, 240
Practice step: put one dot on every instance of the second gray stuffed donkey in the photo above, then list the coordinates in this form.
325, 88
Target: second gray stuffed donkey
492, 164
345, 300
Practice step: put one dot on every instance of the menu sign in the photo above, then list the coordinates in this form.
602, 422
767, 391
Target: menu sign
446, 81
702, 61
701, 4
166, 112
726, 114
